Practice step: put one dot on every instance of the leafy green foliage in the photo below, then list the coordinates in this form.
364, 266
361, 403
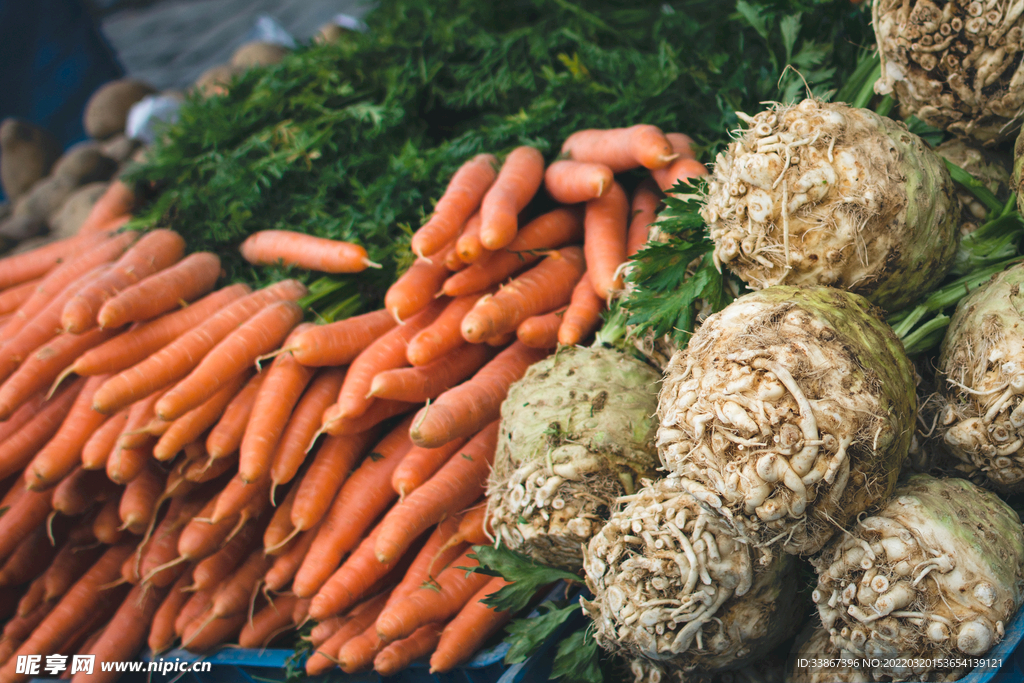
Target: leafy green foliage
525, 636
526, 576
578, 659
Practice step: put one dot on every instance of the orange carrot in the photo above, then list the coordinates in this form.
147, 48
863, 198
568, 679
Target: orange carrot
287, 563
453, 261
646, 200
360, 618
681, 145
26, 511
340, 342
443, 335
583, 315
455, 486
280, 531
261, 333
21, 417
140, 414
143, 340
572, 182
19, 448
322, 481
517, 182
304, 423
416, 288
158, 564
153, 252
541, 331
416, 385
234, 594
192, 424
420, 464
207, 632
210, 571
325, 629
138, 502
185, 281
197, 605
681, 171
605, 241
106, 525
33, 552
461, 198
621, 148
177, 359
200, 470
470, 628
468, 246
553, 229
269, 247
380, 411
542, 288
14, 296
113, 205
361, 500
268, 623
96, 451
475, 527
33, 265
469, 407
78, 491
200, 538
357, 655
401, 653
236, 495
71, 562
161, 630
226, 435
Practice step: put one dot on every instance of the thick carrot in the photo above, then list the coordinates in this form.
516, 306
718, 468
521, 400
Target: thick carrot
416, 385
544, 287
210, 571
364, 496
114, 204
455, 486
517, 182
416, 288
161, 628
443, 335
644, 211
96, 451
386, 353
401, 653
33, 552
357, 655
226, 435
14, 296
572, 182
138, 502
334, 460
303, 424
177, 359
420, 464
461, 198
106, 525
261, 333
470, 628
17, 450
268, 622
78, 491
268, 247
22, 416
153, 252
192, 424
621, 148
360, 618
380, 411
468, 246
541, 331
145, 339
553, 229
325, 629
63, 452
236, 495
340, 342
604, 243
469, 407
197, 604
583, 315
161, 292
287, 563
681, 171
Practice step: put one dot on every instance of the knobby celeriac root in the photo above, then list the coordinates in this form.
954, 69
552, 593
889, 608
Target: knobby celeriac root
794, 408
825, 194
814, 644
679, 584
936, 573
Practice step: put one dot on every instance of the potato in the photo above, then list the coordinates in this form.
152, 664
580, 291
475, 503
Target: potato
214, 80
258, 53
68, 219
330, 33
27, 153
120, 147
107, 109
85, 163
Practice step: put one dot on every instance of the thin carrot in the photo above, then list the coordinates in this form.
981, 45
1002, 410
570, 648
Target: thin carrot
322, 481
96, 451
164, 291
161, 627
541, 331
416, 385
17, 450
123, 637
461, 198
468, 246
303, 424
71, 562
78, 491
681, 171
34, 551
360, 618
114, 204
469, 407
644, 211
268, 247
583, 315
197, 605
106, 525
287, 563
420, 464
442, 335
35, 264
280, 531
340, 342
192, 424
140, 414
268, 622
517, 182
621, 148
14, 296
604, 244
138, 502
544, 287
417, 287
234, 594
380, 411
153, 252
236, 495
572, 182
177, 359
455, 486
226, 435
357, 655
22, 416
470, 628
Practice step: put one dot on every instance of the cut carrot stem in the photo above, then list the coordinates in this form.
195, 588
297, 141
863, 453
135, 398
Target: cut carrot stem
269, 247
541, 331
604, 243
517, 182
572, 182
417, 385
644, 211
470, 628
340, 342
461, 198
583, 315
621, 149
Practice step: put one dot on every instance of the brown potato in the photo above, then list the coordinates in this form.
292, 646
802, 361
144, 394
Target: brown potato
27, 153
107, 109
258, 53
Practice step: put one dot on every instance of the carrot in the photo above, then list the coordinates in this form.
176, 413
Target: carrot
360, 618
541, 331
67, 567
124, 464
206, 632
268, 623
192, 424
78, 491
583, 315
452, 260
401, 653
442, 335
157, 564
621, 149
63, 451
138, 502
364, 496
353, 579
322, 481
200, 538
380, 411
416, 385
226, 435
26, 511
107, 525
385, 353
280, 530
303, 424
517, 182
681, 145
234, 594
470, 628
236, 495
572, 182
604, 244
201, 470
269, 247
416, 288
340, 342
21, 417
681, 171
161, 292
31, 598
325, 629
210, 571
455, 486
194, 608
357, 655
469, 407
17, 451
644, 211
153, 252
543, 288
287, 563
35, 264
21, 627
143, 340
261, 333
14, 296
475, 527
161, 628
452, 589
461, 198
33, 552
420, 463
140, 415
468, 246
96, 451
113, 205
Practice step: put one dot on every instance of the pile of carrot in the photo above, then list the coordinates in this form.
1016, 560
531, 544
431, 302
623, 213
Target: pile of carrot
204, 462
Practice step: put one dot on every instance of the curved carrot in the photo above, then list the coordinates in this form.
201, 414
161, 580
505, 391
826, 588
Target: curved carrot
461, 198
123, 636
420, 464
470, 628
469, 407
517, 182
328, 471
19, 448
192, 424
161, 629
226, 435
15, 295
380, 411
113, 205
572, 182
646, 200
138, 502
360, 619
268, 247
583, 315
340, 342
296, 439
468, 246
97, 449
604, 243
287, 563
621, 148
441, 336
681, 171
268, 622
541, 331
164, 291
544, 287
417, 385
416, 288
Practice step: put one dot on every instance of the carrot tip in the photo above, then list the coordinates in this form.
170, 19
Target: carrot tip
60, 378
371, 264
